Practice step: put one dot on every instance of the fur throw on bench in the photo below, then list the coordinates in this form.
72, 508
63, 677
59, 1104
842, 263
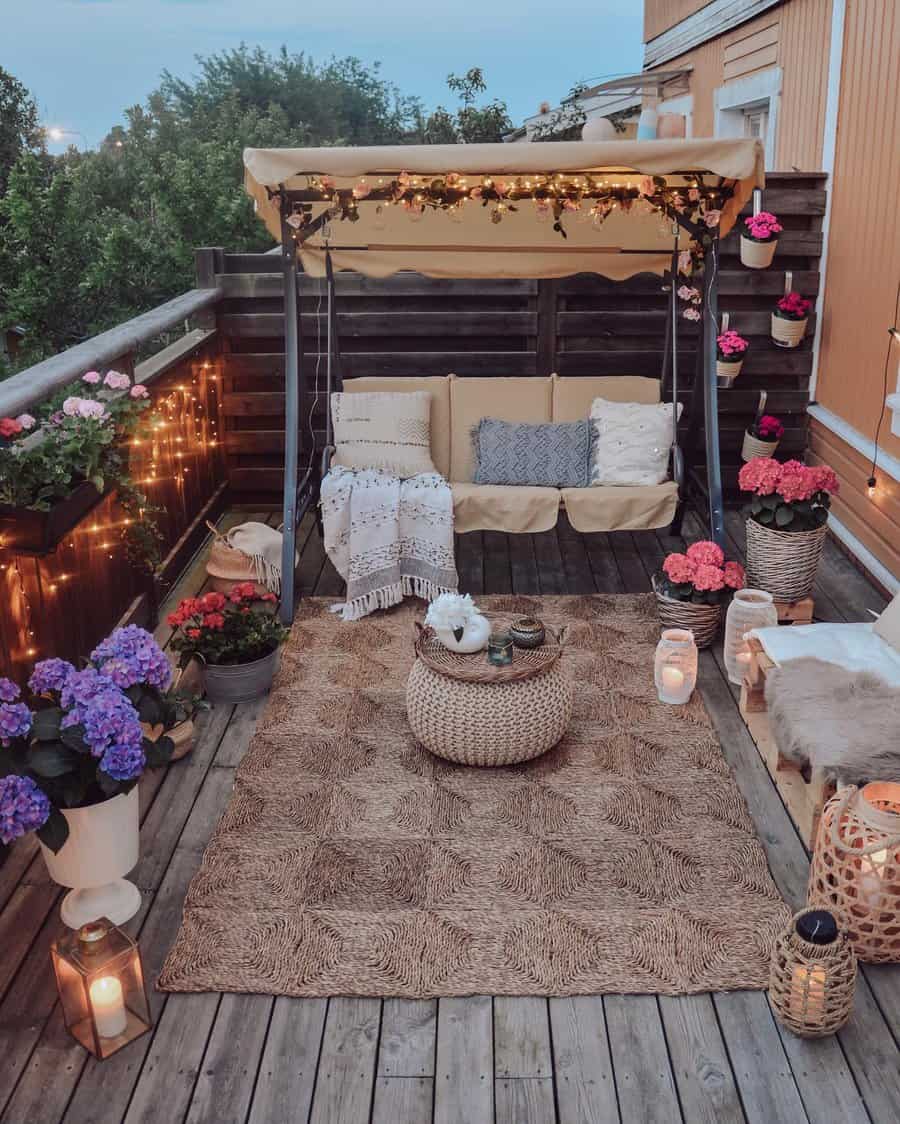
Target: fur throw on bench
844, 722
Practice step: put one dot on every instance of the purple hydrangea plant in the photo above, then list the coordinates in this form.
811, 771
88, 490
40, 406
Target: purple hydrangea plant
109, 719
123, 762
23, 807
15, 721
81, 686
50, 675
130, 656
9, 692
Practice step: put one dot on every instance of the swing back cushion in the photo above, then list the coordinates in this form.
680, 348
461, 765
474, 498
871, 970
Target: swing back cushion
391, 432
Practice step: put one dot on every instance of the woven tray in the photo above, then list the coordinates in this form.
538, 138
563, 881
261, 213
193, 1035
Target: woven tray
474, 668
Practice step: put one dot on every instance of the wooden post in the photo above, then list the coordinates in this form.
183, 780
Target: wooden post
291, 416
711, 392
207, 263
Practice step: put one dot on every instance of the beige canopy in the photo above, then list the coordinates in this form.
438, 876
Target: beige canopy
466, 242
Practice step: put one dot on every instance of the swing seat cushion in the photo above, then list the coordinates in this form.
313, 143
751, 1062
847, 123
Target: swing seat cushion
514, 509
617, 508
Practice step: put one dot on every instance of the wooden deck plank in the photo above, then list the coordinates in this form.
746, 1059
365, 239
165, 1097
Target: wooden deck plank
644, 1079
408, 1037
523, 566
522, 1037
497, 572
346, 1076
576, 563
607, 578
547, 555
403, 1100
585, 1085
470, 562
287, 1071
526, 1100
700, 1062
464, 1069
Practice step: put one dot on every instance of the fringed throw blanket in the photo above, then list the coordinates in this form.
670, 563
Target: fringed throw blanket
388, 538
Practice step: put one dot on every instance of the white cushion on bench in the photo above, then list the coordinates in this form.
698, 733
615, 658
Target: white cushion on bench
854, 647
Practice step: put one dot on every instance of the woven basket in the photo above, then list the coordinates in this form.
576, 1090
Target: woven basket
782, 562
753, 447
811, 985
702, 620
757, 255
227, 566
488, 723
788, 333
855, 870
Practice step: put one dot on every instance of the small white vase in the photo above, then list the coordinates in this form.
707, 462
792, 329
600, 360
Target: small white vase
103, 846
474, 635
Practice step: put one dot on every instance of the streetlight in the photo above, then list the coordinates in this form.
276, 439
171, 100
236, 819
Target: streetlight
56, 134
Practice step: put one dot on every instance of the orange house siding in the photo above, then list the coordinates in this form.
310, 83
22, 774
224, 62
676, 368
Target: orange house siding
662, 14
794, 36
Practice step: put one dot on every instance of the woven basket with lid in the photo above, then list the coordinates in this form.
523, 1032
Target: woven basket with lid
462, 709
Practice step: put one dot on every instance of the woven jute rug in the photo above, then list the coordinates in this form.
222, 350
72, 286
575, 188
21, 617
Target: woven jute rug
352, 862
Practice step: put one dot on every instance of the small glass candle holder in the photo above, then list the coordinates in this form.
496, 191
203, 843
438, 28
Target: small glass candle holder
100, 979
675, 669
500, 649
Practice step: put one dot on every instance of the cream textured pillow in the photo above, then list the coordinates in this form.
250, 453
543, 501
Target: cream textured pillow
382, 430
631, 442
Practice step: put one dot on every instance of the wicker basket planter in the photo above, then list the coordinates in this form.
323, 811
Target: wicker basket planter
754, 447
726, 372
757, 255
811, 985
702, 620
464, 710
855, 870
783, 562
788, 333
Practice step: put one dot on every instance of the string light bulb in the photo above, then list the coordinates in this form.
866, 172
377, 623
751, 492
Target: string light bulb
871, 487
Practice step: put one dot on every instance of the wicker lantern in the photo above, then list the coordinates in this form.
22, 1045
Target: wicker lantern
100, 979
812, 975
749, 609
675, 669
855, 870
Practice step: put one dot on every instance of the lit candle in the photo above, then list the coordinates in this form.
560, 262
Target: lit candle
672, 679
742, 659
808, 993
108, 1006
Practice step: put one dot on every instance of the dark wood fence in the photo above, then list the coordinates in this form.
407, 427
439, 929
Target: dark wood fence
583, 325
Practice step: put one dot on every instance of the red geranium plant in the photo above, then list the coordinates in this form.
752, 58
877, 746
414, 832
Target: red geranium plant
700, 575
766, 427
790, 496
224, 628
793, 307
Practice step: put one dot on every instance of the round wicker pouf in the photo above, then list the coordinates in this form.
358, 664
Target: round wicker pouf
488, 723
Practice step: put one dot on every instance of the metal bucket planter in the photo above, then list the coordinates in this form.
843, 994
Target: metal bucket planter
783, 562
103, 845
788, 333
757, 255
754, 447
240, 682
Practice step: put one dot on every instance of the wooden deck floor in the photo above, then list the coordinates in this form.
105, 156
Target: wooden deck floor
635, 1059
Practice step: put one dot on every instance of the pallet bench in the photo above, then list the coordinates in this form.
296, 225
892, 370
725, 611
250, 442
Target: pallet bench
804, 792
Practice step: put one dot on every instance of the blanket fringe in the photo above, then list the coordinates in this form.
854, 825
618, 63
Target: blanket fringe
389, 595
267, 574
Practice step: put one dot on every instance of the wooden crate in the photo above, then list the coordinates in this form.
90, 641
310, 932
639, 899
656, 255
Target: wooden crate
795, 612
804, 795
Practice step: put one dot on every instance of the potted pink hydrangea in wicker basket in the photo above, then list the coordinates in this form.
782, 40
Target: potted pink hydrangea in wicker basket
786, 524
692, 587
759, 239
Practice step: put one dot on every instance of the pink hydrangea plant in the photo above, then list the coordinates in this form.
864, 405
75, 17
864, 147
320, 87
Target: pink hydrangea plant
700, 575
763, 227
788, 497
731, 346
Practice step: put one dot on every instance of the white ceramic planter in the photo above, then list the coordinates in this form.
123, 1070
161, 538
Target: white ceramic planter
757, 255
474, 636
102, 847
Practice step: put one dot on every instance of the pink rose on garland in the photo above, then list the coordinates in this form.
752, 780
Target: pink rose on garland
679, 568
138, 391
115, 380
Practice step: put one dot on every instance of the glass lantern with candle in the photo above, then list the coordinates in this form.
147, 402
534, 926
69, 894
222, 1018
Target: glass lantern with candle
749, 609
100, 979
675, 669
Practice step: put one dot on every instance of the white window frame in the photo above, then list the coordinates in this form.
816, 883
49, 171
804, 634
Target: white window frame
754, 91
683, 104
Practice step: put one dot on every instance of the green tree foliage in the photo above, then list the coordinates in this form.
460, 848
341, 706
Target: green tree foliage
90, 239
19, 129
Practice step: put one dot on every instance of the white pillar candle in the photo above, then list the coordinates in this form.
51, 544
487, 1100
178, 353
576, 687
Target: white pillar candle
108, 1006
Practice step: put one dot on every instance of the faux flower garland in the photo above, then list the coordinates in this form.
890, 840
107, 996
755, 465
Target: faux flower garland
793, 307
79, 740
700, 575
763, 227
790, 496
730, 347
767, 428
224, 628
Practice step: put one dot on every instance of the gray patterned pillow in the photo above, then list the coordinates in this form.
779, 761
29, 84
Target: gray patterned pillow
543, 455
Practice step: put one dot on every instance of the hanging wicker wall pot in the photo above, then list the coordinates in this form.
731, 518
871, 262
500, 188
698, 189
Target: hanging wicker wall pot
753, 447
855, 870
757, 255
783, 562
788, 333
702, 620
726, 373
812, 975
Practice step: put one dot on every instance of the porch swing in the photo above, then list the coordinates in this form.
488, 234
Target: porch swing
342, 209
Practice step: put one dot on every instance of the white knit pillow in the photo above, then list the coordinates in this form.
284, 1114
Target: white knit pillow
631, 442
383, 430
